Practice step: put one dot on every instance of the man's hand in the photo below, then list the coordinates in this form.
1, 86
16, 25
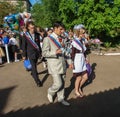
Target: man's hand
71, 66
58, 51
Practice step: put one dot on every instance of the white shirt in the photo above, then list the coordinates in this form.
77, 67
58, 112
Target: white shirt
13, 41
33, 36
55, 36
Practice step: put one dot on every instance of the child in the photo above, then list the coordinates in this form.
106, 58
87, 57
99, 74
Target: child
14, 46
79, 63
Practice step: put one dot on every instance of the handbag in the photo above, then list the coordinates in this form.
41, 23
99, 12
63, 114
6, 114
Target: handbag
2, 54
89, 68
27, 64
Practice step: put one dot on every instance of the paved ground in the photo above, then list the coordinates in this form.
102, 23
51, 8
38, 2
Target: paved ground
19, 96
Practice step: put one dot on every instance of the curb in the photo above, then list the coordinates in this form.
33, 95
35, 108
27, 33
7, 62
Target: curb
109, 54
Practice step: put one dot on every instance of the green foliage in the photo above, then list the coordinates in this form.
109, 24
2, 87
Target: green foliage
7, 8
100, 18
107, 44
68, 9
20, 6
45, 12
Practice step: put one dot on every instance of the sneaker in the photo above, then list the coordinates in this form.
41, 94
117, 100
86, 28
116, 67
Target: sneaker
65, 103
17, 60
44, 65
50, 98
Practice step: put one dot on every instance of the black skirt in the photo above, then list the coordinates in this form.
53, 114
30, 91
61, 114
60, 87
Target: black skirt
79, 74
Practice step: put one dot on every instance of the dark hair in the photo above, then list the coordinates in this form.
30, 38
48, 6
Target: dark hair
29, 23
58, 24
14, 36
49, 29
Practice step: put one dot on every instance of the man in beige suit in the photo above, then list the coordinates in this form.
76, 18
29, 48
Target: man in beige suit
54, 52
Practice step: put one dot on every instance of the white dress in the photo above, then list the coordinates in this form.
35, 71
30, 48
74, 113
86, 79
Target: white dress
79, 58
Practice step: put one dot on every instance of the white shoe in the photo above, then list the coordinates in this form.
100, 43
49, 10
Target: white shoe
17, 60
50, 98
65, 103
44, 65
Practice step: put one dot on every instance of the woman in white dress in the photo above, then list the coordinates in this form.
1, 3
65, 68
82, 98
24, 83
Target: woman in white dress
79, 63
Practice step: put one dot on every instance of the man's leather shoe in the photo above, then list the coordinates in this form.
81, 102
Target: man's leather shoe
39, 84
65, 103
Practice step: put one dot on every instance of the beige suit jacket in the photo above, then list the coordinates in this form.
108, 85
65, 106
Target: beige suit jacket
56, 65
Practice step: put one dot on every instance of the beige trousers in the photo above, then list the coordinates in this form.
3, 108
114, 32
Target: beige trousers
58, 86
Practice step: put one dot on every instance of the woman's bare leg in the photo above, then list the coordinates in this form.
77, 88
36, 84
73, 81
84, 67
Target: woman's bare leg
77, 85
84, 79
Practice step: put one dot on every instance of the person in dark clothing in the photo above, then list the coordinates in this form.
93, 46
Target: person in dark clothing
31, 49
22, 31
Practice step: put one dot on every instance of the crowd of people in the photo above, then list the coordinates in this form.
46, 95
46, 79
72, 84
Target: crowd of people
7, 37
59, 49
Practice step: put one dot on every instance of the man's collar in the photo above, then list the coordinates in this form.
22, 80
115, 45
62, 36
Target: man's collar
54, 35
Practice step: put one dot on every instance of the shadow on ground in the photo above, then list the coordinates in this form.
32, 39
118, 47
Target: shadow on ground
102, 104
45, 76
1, 65
4, 95
92, 76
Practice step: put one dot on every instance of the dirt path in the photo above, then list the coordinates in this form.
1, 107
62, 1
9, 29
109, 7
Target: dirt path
19, 96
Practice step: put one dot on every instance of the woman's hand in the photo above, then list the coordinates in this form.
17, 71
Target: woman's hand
71, 66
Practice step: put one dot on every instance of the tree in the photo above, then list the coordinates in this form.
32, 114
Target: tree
45, 12
67, 10
39, 15
101, 18
7, 8
20, 6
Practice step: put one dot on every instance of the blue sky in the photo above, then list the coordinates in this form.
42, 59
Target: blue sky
32, 1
